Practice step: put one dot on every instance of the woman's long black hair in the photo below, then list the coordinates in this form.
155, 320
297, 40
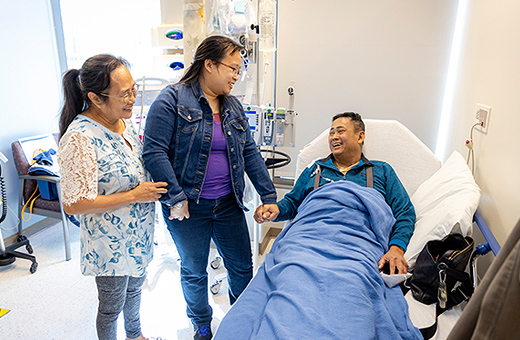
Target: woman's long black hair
216, 48
94, 76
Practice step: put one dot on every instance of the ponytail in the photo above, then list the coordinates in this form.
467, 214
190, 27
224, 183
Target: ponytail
74, 100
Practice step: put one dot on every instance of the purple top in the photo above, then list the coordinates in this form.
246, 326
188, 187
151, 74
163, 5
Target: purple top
218, 179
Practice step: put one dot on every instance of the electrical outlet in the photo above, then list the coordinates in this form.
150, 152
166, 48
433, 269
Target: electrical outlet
482, 116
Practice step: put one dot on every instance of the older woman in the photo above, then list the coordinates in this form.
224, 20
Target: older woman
103, 180
197, 139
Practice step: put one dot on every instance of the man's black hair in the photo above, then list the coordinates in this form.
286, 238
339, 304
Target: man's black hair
354, 117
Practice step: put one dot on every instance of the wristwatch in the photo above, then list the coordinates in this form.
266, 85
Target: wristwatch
179, 205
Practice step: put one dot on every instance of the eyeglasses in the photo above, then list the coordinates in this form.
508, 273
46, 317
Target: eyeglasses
236, 70
126, 97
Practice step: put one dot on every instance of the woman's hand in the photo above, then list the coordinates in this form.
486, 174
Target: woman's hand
143, 193
179, 211
149, 191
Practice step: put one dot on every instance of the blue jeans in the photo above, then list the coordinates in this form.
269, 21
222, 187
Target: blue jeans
223, 221
116, 294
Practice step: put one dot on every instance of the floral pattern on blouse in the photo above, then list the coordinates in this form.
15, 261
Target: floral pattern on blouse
96, 161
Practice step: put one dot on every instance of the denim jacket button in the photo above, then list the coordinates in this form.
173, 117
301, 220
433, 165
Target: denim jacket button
229, 133
232, 149
234, 166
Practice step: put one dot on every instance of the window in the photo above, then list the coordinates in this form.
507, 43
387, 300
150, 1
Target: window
120, 28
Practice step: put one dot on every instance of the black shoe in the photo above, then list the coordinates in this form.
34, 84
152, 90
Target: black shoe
203, 333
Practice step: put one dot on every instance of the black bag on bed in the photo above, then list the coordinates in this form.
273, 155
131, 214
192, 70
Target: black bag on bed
440, 275
439, 266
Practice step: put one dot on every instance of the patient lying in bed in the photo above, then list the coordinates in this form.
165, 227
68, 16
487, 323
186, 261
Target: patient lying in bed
347, 162
321, 279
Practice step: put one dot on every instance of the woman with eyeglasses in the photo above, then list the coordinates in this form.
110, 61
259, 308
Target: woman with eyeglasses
197, 139
104, 181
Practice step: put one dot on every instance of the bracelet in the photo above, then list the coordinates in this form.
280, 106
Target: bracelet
179, 205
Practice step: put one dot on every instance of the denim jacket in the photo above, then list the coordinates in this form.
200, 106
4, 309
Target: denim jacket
385, 181
177, 143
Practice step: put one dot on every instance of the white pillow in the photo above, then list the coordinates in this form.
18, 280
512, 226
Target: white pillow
447, 200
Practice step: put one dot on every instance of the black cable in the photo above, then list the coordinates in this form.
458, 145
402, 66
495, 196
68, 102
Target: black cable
4, 197
275, 163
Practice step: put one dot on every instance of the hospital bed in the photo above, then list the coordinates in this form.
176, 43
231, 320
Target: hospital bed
445, 198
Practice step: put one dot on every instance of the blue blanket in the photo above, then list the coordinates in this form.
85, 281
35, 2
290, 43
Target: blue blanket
321, 279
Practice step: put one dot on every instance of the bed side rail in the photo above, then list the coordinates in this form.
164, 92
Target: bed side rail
491, 242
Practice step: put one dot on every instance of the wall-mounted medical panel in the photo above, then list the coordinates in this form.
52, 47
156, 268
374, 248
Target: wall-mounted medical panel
170, 36
169, 66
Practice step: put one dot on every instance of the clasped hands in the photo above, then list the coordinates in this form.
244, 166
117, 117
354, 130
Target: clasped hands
266, 213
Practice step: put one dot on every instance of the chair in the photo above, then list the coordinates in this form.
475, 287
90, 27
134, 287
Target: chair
9, 255
53, 209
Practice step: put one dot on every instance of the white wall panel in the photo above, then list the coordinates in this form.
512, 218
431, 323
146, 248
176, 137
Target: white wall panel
383, 59
489, 74
30, 83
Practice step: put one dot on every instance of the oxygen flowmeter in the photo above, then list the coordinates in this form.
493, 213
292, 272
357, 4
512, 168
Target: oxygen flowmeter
280, 126
267, 126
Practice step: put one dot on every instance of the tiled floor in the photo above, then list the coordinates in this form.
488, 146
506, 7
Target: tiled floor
57, 302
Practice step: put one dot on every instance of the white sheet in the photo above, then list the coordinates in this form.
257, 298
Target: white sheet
423, 316
446, 201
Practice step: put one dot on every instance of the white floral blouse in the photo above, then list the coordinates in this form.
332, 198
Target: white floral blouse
96, 161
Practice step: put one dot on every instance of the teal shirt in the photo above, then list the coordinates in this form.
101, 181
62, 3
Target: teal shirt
385, 181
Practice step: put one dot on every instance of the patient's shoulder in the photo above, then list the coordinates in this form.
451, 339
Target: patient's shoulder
379, 163
382, 166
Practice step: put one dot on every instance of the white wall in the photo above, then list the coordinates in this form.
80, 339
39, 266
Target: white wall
383, 59
490, 74
30, 83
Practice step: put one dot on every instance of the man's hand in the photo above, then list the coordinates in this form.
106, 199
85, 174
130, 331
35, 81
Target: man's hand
266, 213
395, 260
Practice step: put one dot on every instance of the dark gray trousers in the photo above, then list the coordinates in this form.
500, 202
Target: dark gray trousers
116, 294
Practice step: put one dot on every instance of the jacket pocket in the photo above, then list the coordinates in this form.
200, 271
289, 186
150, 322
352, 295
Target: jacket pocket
189, 119
241, 127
